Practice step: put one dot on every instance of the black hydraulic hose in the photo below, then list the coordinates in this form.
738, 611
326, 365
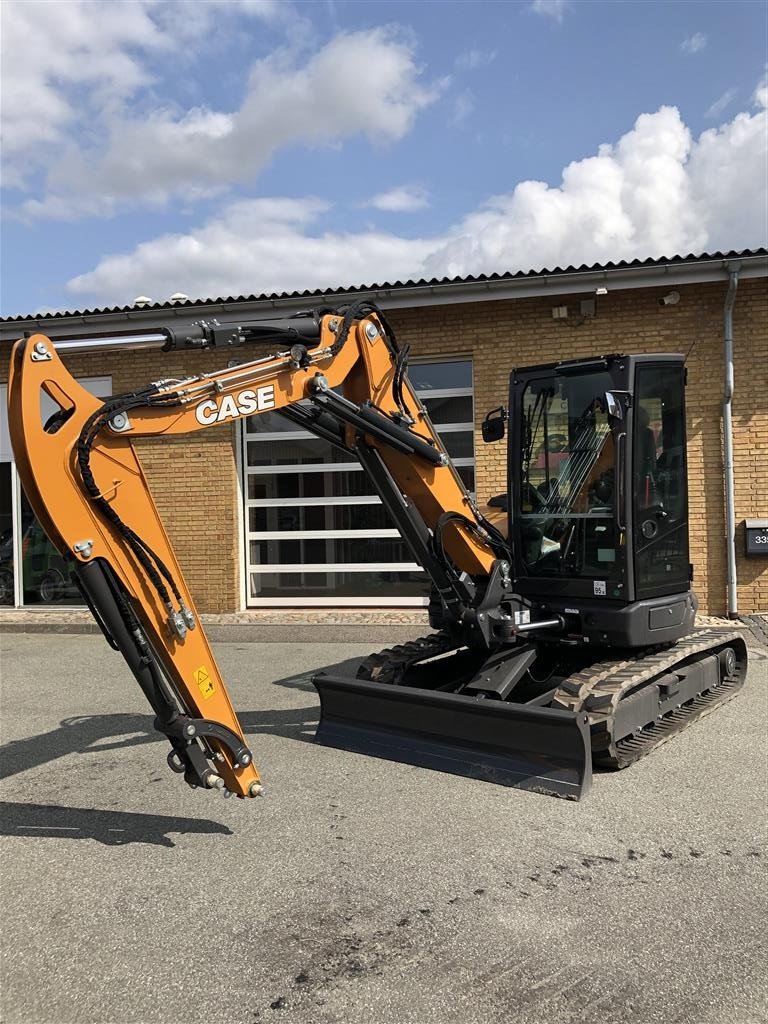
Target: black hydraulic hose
152, 564
401, 364
355, 311
496, 543
94, 578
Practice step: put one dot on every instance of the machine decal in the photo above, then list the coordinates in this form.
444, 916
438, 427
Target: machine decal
245, 404
204, 682
599, 588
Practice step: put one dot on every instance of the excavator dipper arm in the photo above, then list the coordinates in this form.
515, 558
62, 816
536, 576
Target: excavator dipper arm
85, 483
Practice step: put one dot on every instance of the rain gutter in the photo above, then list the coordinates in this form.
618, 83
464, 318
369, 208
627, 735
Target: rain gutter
730, 512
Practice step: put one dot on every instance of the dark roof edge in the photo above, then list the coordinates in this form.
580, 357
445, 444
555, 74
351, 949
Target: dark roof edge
691, 269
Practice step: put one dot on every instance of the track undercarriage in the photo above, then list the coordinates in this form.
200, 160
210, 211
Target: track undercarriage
423, 703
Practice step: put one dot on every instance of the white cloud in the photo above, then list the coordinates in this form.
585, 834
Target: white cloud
71, 49
74, 106
728, 171
630, 197
193, 19
656, 192
404, 199
760, 95
720, 104
85, 62
554, 9
472, 59
463, 106
258, 245
693, 44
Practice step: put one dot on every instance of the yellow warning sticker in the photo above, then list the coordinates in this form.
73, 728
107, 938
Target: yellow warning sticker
204, 682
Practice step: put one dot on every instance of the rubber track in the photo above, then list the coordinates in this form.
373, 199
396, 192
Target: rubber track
391, 665
598, 691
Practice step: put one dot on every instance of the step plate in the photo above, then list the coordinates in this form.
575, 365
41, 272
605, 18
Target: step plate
539, 749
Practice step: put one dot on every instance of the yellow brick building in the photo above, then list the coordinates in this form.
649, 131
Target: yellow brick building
479, 328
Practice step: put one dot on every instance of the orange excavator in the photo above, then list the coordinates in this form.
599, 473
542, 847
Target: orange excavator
562, 612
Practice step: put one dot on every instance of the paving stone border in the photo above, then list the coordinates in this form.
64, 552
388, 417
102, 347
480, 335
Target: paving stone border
364, 625
375, 626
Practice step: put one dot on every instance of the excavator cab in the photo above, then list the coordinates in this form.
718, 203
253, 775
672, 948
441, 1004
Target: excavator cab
576, 667
598, 493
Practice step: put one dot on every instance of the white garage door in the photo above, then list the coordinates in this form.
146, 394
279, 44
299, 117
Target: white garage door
315, 532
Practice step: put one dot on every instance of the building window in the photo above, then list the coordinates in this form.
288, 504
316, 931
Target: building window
315, 532
6, 533
44, 577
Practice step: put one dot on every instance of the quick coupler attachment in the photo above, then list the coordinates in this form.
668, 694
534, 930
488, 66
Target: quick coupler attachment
192, 755
534, 748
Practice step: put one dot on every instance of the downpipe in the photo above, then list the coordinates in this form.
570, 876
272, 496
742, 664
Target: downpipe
730, 513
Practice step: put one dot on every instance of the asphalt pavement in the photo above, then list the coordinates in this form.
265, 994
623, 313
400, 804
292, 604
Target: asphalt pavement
360, 891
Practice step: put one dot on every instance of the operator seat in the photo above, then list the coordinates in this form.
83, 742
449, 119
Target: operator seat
497, 513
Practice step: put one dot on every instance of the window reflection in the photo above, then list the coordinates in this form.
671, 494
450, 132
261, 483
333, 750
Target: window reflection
568, 470
661, 512
340, 585
44, 572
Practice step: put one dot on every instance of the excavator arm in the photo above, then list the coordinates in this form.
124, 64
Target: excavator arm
344, 378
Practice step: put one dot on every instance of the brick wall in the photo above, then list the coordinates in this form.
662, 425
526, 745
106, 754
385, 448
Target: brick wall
194, 480
501, 335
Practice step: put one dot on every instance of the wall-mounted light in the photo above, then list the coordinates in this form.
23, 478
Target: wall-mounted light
670, 299
601, 291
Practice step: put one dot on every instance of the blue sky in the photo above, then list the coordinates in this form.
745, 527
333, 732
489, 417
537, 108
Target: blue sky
226, 148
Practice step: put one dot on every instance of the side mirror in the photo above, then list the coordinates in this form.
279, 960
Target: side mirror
494, 425
613, 405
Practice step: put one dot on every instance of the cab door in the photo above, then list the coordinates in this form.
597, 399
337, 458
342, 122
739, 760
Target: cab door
659, 480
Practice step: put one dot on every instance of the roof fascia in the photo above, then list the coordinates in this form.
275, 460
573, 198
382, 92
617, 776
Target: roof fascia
416, 296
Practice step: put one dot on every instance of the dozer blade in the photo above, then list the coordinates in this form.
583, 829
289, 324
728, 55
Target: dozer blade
539, 749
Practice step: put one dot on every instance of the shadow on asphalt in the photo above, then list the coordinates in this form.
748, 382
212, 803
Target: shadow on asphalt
94, 734
303, 681
112, 828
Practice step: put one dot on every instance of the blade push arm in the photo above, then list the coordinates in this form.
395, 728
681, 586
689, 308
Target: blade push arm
85, 484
